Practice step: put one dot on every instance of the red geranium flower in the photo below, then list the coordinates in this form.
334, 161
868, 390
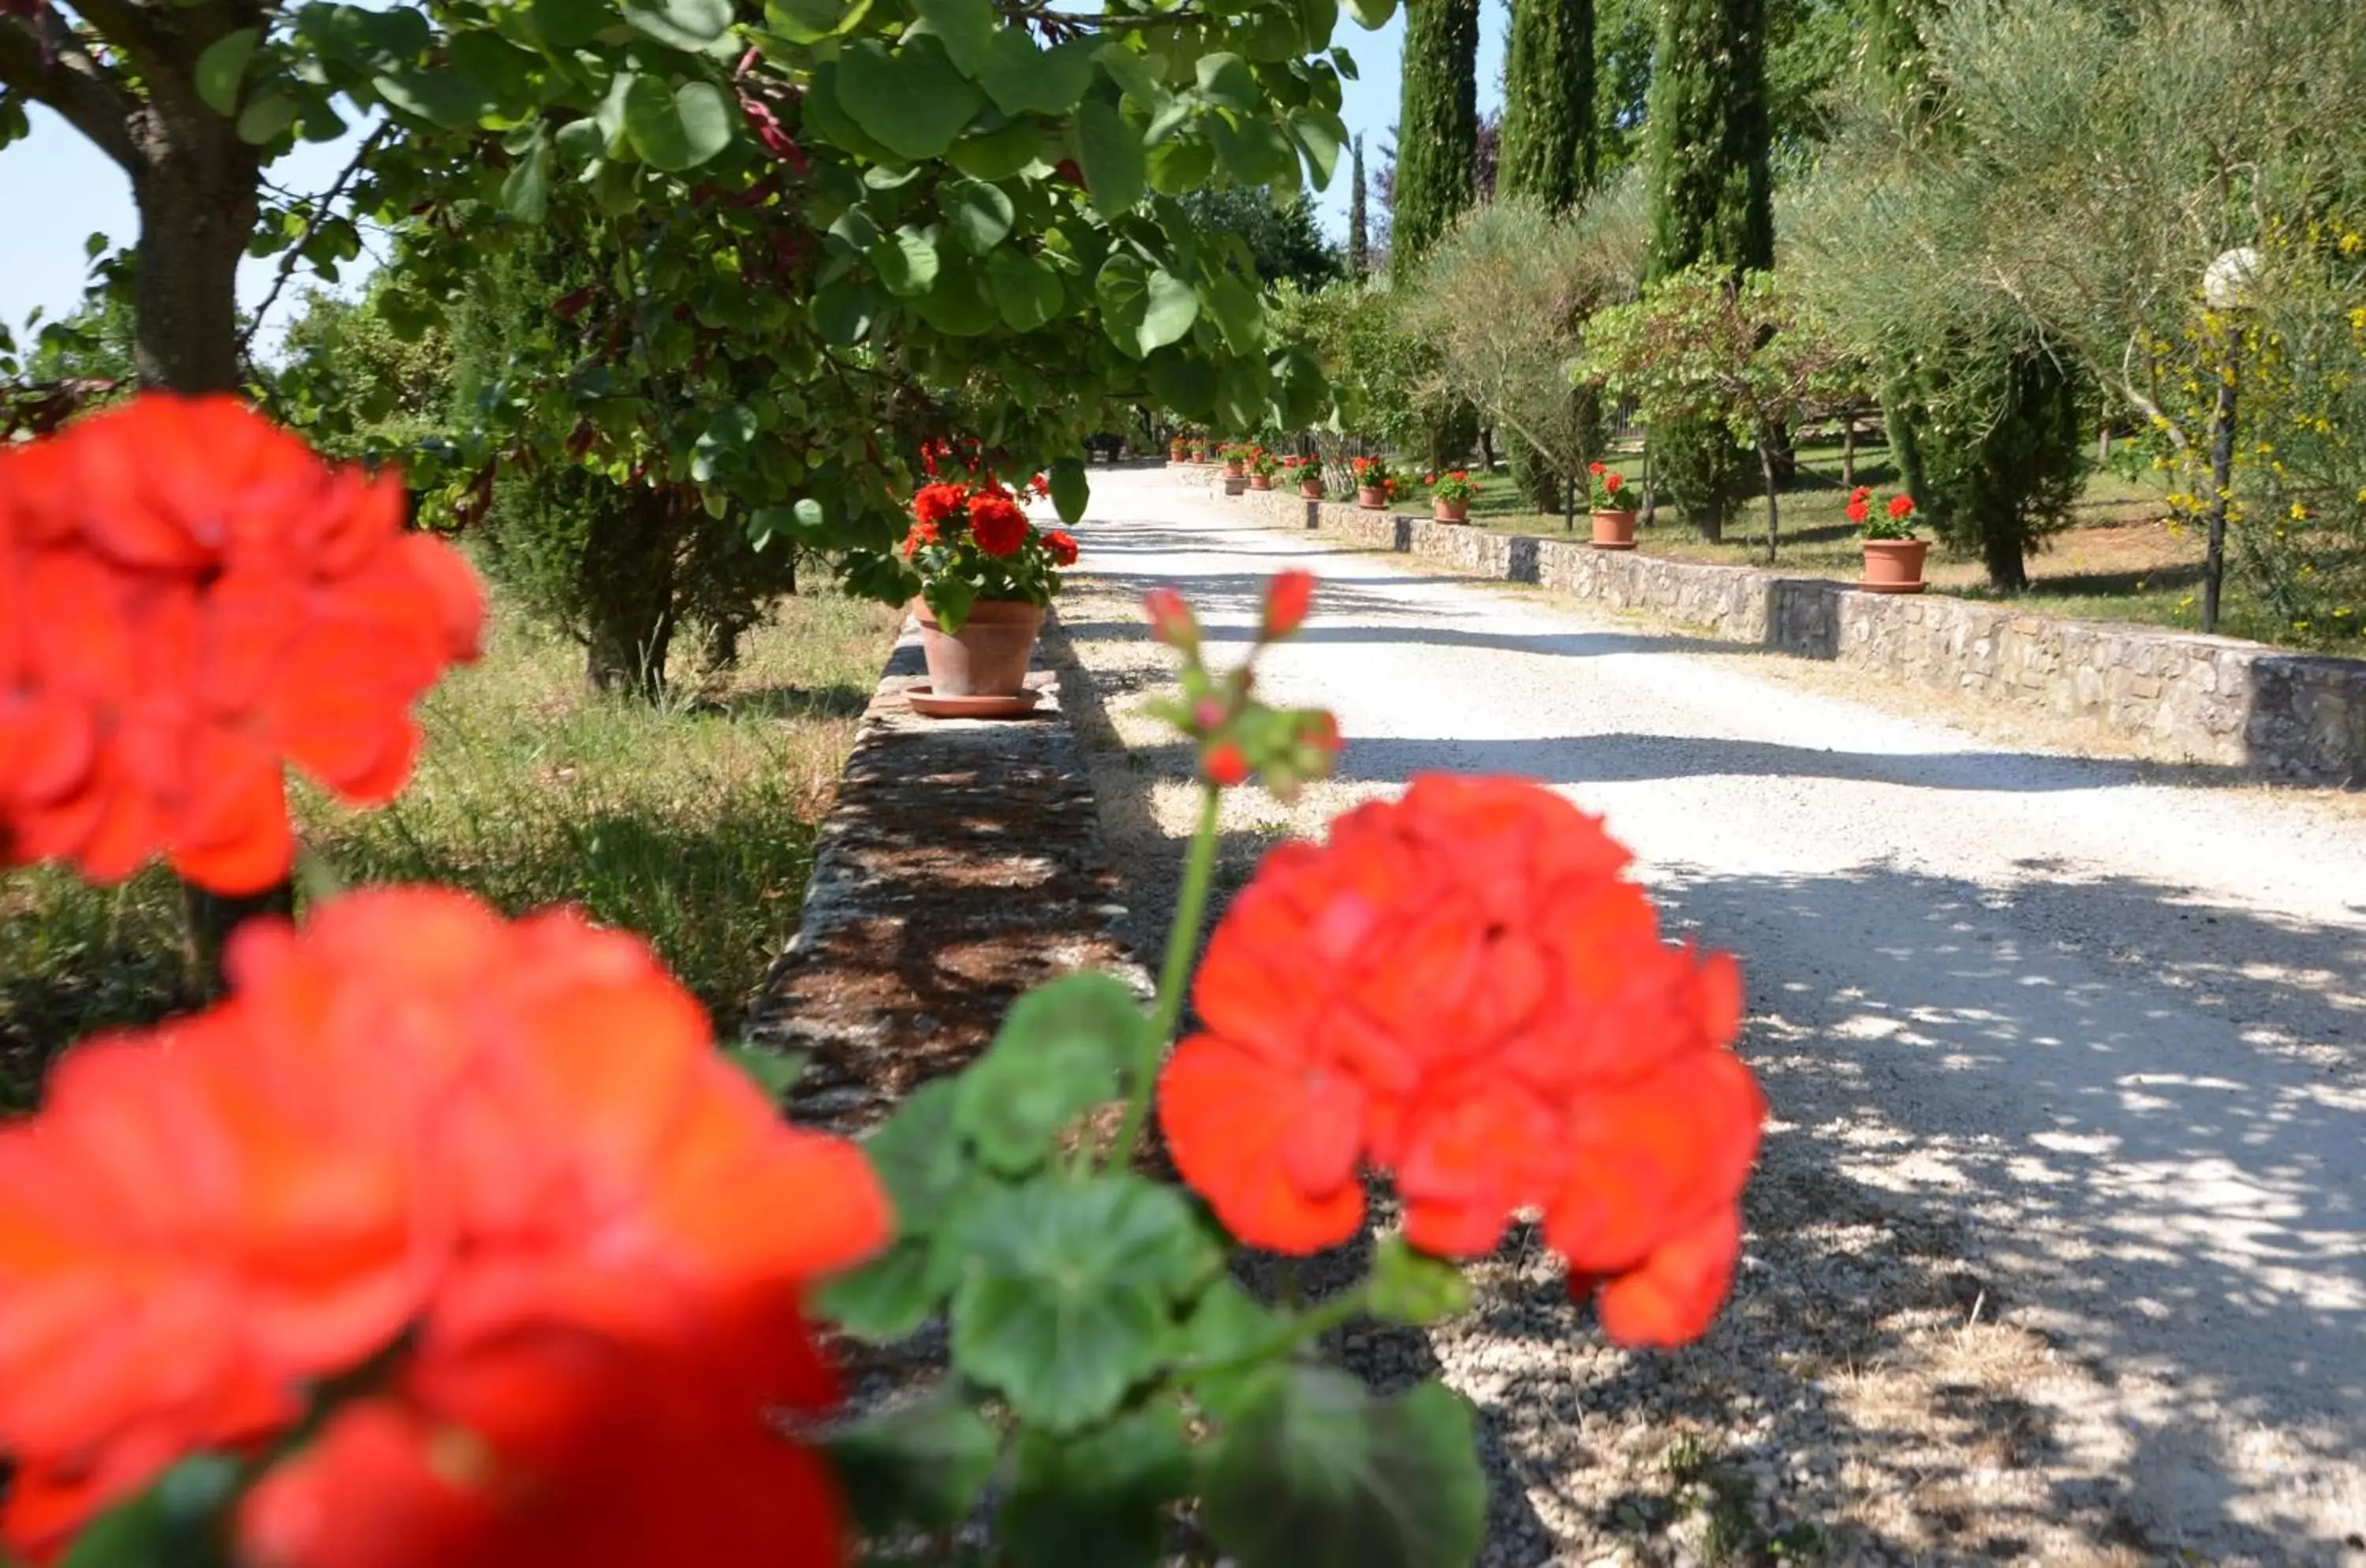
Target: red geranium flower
918, 536
1287, 599
1612, 482
1859, 507
190, 600
1901, 506
1062, 547
1225, 765
514, 1144
937, 503
1171, 621
1594, 467
998, 523
1460, 989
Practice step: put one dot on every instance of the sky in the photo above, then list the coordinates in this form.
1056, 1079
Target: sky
58, 189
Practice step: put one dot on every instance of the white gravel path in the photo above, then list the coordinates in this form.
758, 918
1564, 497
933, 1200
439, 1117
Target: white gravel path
2064, 1056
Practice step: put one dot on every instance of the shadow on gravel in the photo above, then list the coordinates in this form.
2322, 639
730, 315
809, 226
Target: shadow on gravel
1633, 758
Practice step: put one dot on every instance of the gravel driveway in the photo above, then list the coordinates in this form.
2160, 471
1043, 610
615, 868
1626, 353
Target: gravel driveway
2057, 1252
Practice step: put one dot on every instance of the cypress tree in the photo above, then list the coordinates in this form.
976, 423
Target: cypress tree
1712, 199
1359, 235
1438, 127
1437, 150
1548, 147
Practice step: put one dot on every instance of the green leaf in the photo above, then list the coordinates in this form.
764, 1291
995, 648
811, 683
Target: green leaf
1026, 291
1099, 1497
1063, 1049
842, 311
1239, 314
1067, 1290
1131, 70
980, 215
1023, 79
444, 98
223, 67
570, 23
1110, 152
1414, 1288
1372, 15
684, 24
921, 1466
726, 436
1225, 81
774, 1072
1168, 311
965, 28
1183, 384
1302, 392
1122, 291
913, 101
1319, 1473
1319, 135
1231, 1342
680, 129
95, 246
890, 1297
580, 140
1072, 491
907, 260
1254, 152
266, 114
998, 154
810, 21
1180, 165
174, 1523
959, 305
920, 1157
525, 194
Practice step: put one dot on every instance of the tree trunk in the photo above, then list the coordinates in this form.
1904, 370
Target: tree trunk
194, 193
629, 572
196, 202
1785, 454
1569, 507
1766, 466
1848, 450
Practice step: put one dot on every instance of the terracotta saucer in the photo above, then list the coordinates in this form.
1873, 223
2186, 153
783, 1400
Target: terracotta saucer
926, 702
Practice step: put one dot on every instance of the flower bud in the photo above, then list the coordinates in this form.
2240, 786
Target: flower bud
1287, 600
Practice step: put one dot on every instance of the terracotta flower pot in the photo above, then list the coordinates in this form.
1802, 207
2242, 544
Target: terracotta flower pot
1614, 530
1371, 498
1237, 470
1310, 488
988, 658
1260, 481
1449, 511
1894, 566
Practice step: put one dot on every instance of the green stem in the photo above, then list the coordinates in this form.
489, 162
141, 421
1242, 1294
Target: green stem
1174, 976
1295, 1331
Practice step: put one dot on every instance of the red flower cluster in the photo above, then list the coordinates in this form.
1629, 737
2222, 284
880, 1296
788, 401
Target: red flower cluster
997, 523
937, 503
501, 1160
919, 536
1860, 503
1901, 507
1460, 989
1062, 546
190, 599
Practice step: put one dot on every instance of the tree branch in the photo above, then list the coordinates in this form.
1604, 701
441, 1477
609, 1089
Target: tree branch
122, 24
49, 66
321, 214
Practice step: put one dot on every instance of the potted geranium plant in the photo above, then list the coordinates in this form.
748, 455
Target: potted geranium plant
1236, 460
1893, 556
1308, 474
1263, 466
1375, 486
1614, 515
985, 574
1450, 495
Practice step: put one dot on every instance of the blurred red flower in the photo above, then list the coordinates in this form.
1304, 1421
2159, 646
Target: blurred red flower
918, 536
190, 599
1226, 764
998, 523
1901, 506
1460, 989
1171, 621
414, 1118
936, 502
1062, 547
1859, 508
1287, 600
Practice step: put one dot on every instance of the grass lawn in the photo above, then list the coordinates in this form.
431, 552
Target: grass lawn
692, 823
2120, 560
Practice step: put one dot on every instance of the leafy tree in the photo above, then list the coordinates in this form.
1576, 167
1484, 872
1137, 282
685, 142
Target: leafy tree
360, 389
1548, 116
1744, 355
1712, 200
1437, 128
1377, 371
1280, 231
1989, 448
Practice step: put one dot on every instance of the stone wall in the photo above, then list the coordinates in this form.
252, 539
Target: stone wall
2173, 696
960, 866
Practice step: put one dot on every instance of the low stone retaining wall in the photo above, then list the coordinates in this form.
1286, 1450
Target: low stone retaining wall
2175, 696
960, 866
